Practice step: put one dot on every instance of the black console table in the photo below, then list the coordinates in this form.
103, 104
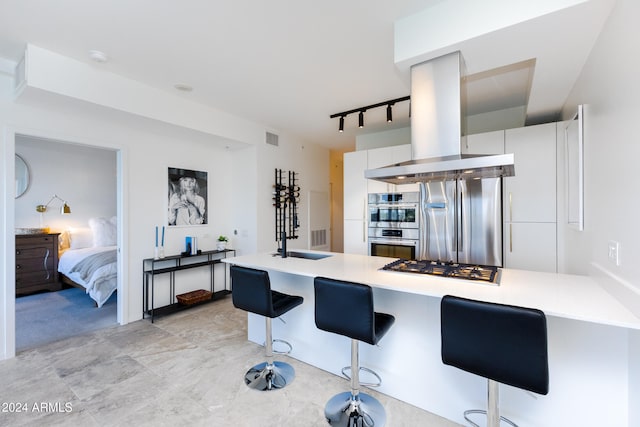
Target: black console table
152, 267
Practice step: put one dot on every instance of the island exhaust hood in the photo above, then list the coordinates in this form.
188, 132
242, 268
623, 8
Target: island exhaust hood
437, 114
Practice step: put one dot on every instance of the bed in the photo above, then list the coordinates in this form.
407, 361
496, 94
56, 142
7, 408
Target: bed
89, 259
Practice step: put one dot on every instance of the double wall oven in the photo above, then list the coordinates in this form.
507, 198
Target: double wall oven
393, 220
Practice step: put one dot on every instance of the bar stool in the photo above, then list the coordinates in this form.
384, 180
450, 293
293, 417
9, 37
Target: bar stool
503, 343
251, 291
346, 308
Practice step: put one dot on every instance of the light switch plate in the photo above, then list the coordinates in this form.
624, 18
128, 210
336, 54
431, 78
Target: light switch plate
614, 252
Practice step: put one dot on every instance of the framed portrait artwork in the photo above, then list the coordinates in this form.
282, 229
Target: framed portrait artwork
187, 197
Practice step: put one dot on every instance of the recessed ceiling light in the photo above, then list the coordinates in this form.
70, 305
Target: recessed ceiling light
98, 56
183, 87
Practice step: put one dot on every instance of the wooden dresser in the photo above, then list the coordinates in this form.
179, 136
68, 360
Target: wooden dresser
37, 263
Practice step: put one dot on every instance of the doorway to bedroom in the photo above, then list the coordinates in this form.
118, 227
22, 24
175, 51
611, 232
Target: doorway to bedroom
83, 297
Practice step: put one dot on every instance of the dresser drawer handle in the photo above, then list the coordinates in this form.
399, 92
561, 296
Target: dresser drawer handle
46, 257
18, 267
18, 252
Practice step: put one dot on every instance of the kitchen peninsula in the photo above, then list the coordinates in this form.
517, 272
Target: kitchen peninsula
588, 331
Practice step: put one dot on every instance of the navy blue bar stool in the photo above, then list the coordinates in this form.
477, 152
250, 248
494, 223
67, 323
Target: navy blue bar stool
503, 343
346, 308
251, 291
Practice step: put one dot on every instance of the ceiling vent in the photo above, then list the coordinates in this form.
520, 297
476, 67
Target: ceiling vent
272, 139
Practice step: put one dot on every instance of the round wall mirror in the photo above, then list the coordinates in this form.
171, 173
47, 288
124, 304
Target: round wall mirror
22, 176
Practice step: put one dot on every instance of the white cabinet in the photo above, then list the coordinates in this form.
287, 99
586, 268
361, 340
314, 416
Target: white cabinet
530, 240
355, 237
355, 203
485, 143
530, 246
531, 194
355, 185
529, 197
356, 189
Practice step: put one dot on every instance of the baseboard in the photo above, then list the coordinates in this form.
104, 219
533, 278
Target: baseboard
622, 290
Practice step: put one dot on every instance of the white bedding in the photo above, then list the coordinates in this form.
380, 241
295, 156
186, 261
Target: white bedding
103, 281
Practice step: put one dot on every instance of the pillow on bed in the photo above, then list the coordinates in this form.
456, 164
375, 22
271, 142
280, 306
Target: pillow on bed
104, 231
80, 238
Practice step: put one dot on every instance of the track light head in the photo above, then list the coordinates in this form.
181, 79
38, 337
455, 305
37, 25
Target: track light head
361, 119
341, 128
389, 113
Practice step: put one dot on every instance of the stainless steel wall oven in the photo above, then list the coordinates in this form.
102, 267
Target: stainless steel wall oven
394, 224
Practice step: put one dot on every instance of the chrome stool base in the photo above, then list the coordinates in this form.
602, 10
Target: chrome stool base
346, 410
264, 377
482, 411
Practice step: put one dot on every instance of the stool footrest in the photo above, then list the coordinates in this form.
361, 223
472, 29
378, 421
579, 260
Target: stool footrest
362, 368
482, 411
285, 343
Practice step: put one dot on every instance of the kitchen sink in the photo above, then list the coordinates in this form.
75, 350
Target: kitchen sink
304, 255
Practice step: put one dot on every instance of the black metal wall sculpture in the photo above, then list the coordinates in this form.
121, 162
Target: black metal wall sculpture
286, 197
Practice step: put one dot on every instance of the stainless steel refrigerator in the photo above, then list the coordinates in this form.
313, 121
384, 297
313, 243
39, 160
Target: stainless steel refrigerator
461, 221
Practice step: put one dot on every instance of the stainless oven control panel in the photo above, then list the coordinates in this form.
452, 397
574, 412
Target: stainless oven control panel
393, 210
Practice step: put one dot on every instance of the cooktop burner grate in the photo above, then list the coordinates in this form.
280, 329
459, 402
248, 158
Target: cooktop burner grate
483, 273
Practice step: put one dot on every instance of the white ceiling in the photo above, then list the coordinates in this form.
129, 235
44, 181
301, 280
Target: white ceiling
290, 64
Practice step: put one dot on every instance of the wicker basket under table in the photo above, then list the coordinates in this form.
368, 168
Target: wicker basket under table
194, 297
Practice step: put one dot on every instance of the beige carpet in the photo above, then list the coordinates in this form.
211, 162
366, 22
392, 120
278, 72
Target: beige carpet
51, 316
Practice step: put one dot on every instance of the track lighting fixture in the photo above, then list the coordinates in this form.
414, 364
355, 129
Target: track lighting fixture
389, 104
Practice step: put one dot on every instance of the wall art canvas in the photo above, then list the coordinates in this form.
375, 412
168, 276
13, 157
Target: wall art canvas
187, 197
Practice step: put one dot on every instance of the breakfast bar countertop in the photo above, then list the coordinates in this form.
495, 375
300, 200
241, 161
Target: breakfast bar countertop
562, 295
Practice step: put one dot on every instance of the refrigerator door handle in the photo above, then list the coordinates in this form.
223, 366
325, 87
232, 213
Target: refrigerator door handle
510, 206
510, 237
365, 221
460, 218
510, 221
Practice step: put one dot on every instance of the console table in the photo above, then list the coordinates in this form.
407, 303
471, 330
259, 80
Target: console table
152, 267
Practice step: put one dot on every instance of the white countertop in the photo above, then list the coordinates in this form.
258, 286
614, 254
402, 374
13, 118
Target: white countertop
561, 295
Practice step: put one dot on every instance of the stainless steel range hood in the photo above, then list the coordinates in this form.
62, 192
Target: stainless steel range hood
437, 118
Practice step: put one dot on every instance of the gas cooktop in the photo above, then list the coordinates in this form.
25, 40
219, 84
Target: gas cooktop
483, 273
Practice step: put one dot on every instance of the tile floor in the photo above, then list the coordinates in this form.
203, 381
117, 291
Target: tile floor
185, 369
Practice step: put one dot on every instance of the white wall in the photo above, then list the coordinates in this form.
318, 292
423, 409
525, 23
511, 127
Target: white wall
608, 85
384, 138
608, 88
83, 176
311, 162
240, 182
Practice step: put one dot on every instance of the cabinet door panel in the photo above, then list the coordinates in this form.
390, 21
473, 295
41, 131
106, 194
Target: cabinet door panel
485, 143
380, 157
530, 195
530, 246
355, 237
355, 185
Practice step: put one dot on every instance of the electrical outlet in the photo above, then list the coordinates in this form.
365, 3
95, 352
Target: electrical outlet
614, 252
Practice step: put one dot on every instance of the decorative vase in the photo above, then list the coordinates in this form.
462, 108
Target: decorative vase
221, 246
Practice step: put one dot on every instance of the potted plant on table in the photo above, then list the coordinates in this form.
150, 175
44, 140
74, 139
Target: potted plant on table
222, 243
